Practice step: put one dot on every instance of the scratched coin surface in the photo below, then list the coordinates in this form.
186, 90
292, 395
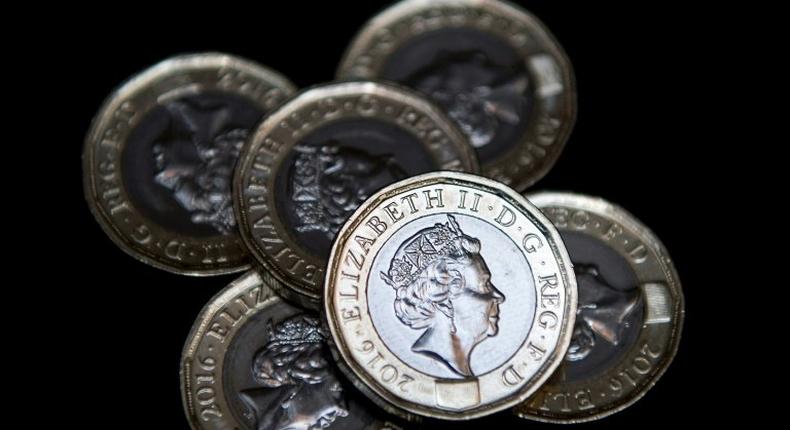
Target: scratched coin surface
159, 157
314, 160
449, 295
493, 67
629, 315
254, 362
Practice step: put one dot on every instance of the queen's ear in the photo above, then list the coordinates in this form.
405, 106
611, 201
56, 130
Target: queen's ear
442, 273
445, 307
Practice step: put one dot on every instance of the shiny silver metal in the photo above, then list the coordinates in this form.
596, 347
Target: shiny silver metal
159, 157
448, 295
254, 362
494, 68
629, 317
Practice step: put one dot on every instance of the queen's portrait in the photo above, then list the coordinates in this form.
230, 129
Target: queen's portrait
298, 389
443, 287
603, 312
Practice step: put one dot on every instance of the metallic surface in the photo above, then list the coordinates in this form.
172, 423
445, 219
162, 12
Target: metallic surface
254, 362
321, 154
159, 156
629, 317
449, 295
493, 67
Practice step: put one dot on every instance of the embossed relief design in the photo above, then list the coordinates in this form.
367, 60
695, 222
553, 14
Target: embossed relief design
602, 312
195, 161
298, 388
443, 286
477, 93
328, 183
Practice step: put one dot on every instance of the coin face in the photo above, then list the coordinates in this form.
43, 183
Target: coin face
629, 315
494, 68
159, 157
254, 362
449, 295
319, 156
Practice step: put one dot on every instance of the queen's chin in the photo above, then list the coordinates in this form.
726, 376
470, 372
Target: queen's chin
493, 326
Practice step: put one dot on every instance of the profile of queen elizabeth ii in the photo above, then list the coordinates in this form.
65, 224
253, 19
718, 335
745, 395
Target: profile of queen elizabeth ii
443, 286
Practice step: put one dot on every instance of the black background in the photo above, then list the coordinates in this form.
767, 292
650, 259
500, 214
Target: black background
635, 143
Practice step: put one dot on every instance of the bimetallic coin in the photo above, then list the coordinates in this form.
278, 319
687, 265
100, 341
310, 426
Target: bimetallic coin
159, 158
255, 362
494, 68
449, 295
319, 156
629, 317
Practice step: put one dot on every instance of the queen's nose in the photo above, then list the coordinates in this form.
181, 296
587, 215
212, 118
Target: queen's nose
496, 294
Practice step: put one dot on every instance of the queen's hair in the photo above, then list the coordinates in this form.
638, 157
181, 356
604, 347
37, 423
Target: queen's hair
293, 355
426, 276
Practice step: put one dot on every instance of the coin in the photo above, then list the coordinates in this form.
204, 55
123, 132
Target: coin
449, 295
317, 157
252, 361
629, 316
494, 68
158, 159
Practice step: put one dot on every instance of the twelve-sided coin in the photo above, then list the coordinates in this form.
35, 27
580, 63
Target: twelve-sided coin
449, 295
629, 316
318, 156
254, 362
494, 68
159, 157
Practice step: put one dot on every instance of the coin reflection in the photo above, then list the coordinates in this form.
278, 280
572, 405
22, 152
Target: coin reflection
610, 308
298, 388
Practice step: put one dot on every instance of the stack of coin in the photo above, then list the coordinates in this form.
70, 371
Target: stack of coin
386, 281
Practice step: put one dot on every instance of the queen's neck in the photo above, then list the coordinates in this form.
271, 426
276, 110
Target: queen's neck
441, 341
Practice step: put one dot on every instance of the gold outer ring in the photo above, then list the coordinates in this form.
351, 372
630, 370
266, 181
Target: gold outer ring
589, 393
103, 186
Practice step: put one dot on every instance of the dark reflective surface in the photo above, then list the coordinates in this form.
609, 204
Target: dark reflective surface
178, 162
336, 168
480, 81
610, 308
281, 376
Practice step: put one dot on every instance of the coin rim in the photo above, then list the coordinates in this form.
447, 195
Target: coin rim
200, 326
602, 207
401, 407
362, 42
293, 289
133, 84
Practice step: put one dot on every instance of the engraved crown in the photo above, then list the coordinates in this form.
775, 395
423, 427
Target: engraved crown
420, 250
295, 331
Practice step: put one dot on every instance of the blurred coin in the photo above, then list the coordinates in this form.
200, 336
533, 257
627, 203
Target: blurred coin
629, 316
255, 362
494, 68
448, 295
159, 157
318, 156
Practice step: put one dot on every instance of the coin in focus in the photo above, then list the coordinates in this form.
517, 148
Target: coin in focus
159, 157
449, 295
254, 362
629, 315
494, 68
320, 155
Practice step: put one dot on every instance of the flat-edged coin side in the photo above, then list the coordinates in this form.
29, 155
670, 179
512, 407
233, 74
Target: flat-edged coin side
629, 317
254, 362
159, 157
493, 67
449, 295
315, 159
